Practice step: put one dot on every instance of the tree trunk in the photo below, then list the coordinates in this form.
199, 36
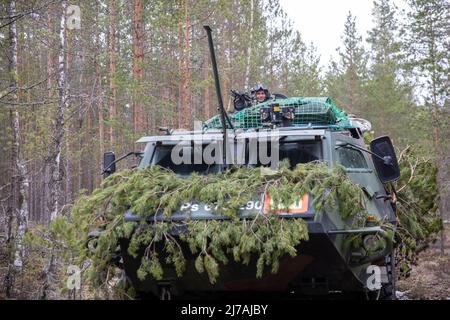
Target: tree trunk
55, 157
139, 118
19, 179
112, 70
187, 71
180, 76
22, 205
98, 77
68, 158
84, 135
50, 63
249, 48
56, 172
44, 194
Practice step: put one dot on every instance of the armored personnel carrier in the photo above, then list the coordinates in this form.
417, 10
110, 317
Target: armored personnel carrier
300, 130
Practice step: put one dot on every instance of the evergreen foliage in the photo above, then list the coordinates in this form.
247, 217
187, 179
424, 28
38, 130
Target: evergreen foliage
417, 204
157, 190
262, 239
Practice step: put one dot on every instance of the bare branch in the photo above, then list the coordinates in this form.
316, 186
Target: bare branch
15, 17
22, 88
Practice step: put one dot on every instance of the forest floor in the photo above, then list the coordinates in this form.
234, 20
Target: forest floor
430, 278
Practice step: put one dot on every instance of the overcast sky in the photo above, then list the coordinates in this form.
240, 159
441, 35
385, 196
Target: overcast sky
322, 21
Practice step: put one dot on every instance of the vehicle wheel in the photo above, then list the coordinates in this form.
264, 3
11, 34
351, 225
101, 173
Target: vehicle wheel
388, 290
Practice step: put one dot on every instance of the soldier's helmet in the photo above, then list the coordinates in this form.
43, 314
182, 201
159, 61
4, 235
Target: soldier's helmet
258, 87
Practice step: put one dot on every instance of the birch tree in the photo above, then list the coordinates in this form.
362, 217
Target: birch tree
56, 171
56, 167
19, 180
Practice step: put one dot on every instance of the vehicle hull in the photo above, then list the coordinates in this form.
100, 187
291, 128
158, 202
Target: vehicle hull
320, 267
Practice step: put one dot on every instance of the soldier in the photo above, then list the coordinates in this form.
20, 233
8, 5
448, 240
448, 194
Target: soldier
260, 93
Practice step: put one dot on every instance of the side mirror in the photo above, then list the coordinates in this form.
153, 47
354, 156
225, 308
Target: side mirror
385, 160
109, 165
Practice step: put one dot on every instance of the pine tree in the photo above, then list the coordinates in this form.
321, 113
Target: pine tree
347, 77
139, 118
427, 43
306, 71
388, 96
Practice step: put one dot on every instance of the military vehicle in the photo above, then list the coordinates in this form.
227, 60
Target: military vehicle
305, 129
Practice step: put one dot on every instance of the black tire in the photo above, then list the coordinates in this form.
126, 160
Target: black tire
388, 290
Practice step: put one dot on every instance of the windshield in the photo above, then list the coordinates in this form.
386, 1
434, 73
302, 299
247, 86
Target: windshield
186, 159
164, 157
298, 152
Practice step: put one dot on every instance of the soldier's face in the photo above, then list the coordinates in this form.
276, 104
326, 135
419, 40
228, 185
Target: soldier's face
260, 96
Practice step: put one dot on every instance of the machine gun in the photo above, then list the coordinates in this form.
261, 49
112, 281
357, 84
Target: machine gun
241, 100
244, 100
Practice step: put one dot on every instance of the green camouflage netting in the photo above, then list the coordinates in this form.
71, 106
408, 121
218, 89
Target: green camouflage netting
309, 111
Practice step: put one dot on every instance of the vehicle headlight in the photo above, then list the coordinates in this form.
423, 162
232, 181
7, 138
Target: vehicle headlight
373, 242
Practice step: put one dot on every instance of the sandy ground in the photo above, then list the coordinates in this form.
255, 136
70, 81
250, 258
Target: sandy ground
430, 278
